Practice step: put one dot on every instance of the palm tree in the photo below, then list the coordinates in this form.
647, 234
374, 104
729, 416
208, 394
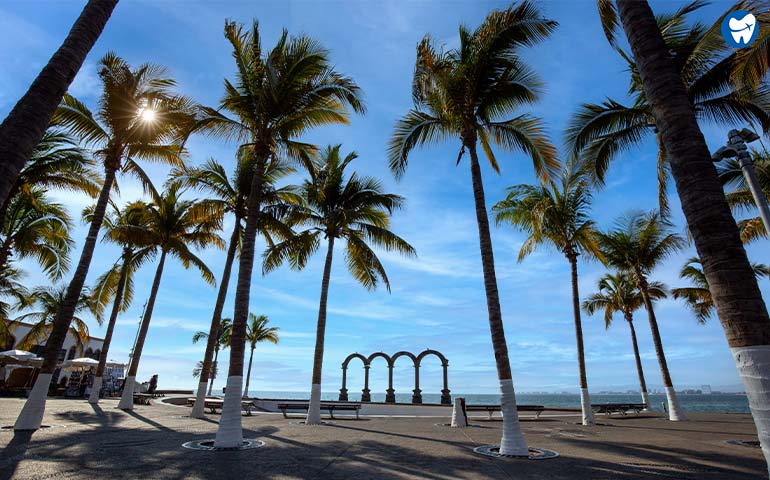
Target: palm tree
740, 197
38, 228
12, 294
221, 339
198, 370
128, 229
353, 209
27, 122
639, 243
698, 297
231, 196
600, 132
174, 225
57, 162
618, 293
557, 215
257, 332
470, 92
46, 302
278, 96
731, 280
138, 119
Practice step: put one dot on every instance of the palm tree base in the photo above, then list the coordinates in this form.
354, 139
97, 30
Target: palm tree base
585, 404
512, 443
459, 420
31, 416
314, 408
675, 411
753, 364
95, 390
646, 400
127, 399
198, 410
230, 431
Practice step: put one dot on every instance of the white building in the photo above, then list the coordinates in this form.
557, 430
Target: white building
91, 349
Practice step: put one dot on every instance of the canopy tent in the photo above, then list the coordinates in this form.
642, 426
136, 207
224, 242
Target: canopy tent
81, 362
20, 357
18, 354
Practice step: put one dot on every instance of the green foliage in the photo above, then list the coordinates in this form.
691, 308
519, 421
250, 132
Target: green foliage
257, 330
223, 337
740, 198
618, 293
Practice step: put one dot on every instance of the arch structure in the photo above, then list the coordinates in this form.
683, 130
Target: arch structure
390, 393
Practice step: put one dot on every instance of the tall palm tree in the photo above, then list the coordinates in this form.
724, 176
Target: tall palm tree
557, 215
256, 332
740, 197
23, 128
12, 294
354, 209
637, 244
277, 96
230, 196
128, 229
698, 297
138, 118
618, 293
174, 225
732, 283
705, 64
57, 162
221, 340
471, 92
38, 228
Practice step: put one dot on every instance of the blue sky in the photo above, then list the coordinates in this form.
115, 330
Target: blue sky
437, 300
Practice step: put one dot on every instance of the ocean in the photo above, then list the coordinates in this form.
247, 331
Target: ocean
721, 403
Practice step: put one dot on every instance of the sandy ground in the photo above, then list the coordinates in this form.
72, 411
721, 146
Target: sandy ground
102, 442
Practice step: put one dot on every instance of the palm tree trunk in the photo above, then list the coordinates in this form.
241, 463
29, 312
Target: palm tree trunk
248, 373
512, 442
314, 409
675, 412
740, 307
21, 131
31, 414
585, 399
230, 432
639, 369
216, 317
127, 400
116, 304
212, 366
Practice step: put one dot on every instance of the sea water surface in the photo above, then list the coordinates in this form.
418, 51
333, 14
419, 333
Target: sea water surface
720, 403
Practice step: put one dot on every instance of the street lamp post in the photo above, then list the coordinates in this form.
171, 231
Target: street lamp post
736, 147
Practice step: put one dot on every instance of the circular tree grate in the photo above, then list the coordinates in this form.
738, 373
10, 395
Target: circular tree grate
208, 445
302, 422
745, 443
534, 453
9, 428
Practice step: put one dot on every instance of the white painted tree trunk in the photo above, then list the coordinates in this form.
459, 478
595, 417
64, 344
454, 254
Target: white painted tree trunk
675, 411
458, 416
513, 442
127, 399
94, 397
754, 368
31, 416
230, 432
200, 402
314, 409
585, 403
646, 400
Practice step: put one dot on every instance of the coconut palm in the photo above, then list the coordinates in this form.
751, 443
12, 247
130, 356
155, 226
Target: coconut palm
471, 93
198, 370
732, 283
256, 332
35, 227
230, 196
138, 119
128, 229
740, 197
277, 96
22, 130
174, 225
698, 297
637, 244
221, 340
557, 215
12, 294
618, 293
705, 64
57, 162
354, 209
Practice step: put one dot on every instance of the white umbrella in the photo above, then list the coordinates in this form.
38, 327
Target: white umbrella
82, 362
18, 354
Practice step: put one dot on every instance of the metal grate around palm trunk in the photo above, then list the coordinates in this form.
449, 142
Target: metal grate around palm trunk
534, 453
208, 445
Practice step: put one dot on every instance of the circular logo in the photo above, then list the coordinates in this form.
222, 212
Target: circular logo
740, 29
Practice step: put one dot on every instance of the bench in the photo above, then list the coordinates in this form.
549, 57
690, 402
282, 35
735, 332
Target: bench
621, 408
490, 409
216, 403
330, 407
142, 398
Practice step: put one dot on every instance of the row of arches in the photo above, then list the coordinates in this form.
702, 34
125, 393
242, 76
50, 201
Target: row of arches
390, 393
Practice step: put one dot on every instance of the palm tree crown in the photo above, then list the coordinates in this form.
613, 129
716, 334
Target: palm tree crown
618, 293
257, 330
740, 197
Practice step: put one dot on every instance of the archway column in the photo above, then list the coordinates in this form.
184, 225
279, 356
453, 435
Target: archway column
365, 394
390, 394
417, 395
446, 399
344, 390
